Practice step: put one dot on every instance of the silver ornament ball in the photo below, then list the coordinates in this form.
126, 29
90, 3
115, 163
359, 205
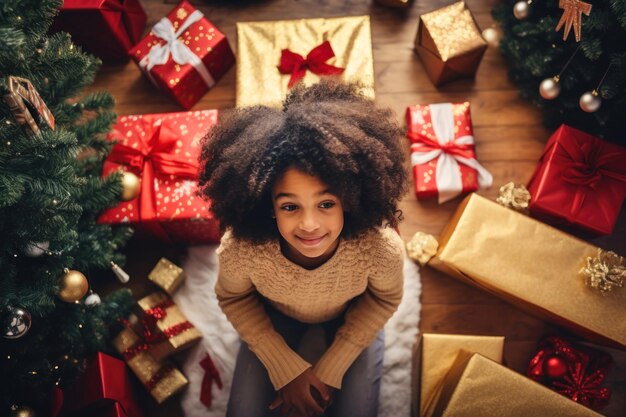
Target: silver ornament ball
590, 102
550, 88
35, 250
521, 10
92, 299
15, 322
491, 36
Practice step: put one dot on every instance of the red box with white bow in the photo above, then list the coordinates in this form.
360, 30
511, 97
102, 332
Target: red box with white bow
443, 157
163, 151
184, 54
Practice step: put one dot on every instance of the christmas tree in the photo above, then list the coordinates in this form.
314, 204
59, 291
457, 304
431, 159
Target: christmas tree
591, 71
50, 196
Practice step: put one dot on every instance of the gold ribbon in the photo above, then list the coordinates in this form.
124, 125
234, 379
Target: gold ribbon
422, 247
514, 197
604, 272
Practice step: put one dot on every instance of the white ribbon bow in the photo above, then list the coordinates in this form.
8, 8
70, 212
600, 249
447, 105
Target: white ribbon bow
181, 54
448, 176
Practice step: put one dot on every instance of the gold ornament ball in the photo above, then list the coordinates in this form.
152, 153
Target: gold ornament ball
491, 36
74, 286
22, 411
549, 88
130, 186
521, 10
590, 102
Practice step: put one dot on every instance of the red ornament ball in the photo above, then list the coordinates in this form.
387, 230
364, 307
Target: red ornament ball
555, 367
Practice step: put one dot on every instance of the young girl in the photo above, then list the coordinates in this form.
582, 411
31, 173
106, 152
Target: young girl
308, 197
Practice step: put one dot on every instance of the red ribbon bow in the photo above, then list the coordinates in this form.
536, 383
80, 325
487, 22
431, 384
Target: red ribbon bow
296, 65
425, 144
211, 374
572, 372
152, 158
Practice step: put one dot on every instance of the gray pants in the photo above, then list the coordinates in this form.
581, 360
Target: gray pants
252, 392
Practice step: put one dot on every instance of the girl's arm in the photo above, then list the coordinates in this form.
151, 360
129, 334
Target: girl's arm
370, 311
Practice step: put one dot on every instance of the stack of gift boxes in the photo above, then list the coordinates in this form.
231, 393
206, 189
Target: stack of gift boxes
580, 182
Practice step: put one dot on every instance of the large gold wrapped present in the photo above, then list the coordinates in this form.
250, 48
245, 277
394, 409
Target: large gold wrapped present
449, 43
534, 266
260, 45
161, 379
170, 329
435, 354
479, 387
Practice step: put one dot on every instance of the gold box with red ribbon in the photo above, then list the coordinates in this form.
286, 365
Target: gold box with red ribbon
161, 378
273, 56
184, 54
443, 156
164, 327
163, 150
580, 181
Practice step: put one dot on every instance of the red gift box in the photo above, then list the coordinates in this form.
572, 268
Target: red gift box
105, 28
184, 54
580, 181
442, 151
163, 151
104, 389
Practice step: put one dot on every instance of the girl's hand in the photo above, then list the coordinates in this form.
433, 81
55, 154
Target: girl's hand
298, 396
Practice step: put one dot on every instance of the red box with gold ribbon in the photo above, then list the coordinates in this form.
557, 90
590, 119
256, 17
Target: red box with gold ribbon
443, 157
184, 54
163, 150
104, 389
580, 181
105, 28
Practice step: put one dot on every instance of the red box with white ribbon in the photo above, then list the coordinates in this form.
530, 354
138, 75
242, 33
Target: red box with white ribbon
184, 54
443, 157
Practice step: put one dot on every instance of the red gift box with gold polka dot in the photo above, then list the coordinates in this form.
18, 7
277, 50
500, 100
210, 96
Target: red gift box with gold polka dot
163, 150
443, 156
184, 54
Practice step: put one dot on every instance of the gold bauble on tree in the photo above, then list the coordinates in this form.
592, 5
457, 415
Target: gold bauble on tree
74, 286
130, 185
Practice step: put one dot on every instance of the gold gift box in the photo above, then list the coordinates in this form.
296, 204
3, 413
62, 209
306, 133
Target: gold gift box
173, 317
531, 265
167, 275
259, 47
433, 357
146, 368
477, 386
449, 43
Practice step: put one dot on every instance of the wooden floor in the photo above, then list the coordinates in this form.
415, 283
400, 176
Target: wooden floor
507, 129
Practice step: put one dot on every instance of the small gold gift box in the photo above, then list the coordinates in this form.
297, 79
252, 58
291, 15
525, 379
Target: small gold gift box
476, 386
167, 275
161, 379
534, 266
164, 319
432, 359
449, 43
260, 45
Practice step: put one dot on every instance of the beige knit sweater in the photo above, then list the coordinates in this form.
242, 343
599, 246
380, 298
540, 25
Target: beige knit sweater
370, 268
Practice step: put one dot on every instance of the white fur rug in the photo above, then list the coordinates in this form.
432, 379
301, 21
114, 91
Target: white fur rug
197, 300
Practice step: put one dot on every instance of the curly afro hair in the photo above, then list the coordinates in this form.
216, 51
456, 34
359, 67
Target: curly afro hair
328, 130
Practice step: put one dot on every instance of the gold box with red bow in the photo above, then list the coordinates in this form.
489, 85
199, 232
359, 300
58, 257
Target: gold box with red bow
105, 28
165, 328
443, 156
273, 56
580, 181
163, 150
184, 54
536, 267
477, 386
449, 43
434, 355
161, 378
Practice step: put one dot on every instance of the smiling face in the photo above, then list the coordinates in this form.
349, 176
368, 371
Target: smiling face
309, 217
